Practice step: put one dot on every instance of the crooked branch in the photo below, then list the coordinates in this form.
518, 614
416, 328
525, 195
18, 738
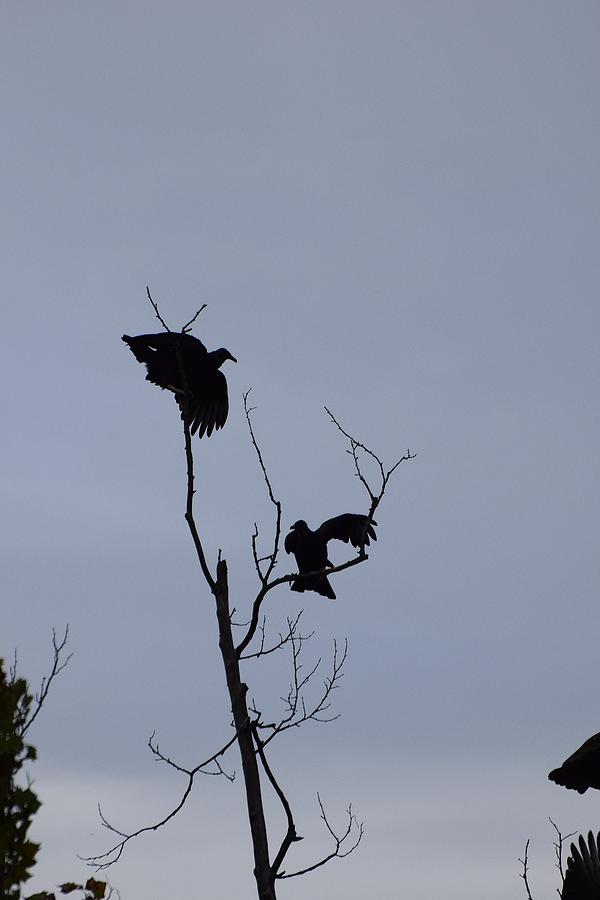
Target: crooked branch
270, 557
291, 836
156, 310
188, 325
104, 860
340, 841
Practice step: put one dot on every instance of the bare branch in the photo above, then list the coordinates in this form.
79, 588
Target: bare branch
201, 769
524, 874
297, 710
283, 638
375, 496
291, 836
188, 325
189, 508
558, 847
104, 860
155, 306
57, 666
272, 557
353, 825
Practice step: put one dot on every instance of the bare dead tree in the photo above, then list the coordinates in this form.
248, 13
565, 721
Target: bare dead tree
252, 731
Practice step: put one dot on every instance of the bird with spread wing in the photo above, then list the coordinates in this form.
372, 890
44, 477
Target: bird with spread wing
310, 548
582, 878
179, 362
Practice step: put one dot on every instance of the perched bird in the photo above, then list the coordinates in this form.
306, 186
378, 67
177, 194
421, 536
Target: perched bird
582, 878
310, 547
581, 770
181, 363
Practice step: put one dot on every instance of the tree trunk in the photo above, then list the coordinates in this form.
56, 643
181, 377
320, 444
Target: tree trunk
237, 693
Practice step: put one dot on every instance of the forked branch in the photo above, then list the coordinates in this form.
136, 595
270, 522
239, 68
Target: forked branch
284, 637
58, 665
558, 848
356, 448
297, 709
344, 843
185, 328
109, 857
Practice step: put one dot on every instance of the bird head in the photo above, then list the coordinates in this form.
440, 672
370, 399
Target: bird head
300, 525
221, 355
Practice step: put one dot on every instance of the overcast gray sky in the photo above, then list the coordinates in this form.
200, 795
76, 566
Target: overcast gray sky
390, 208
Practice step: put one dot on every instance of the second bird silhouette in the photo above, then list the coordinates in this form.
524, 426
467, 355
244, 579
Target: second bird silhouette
310, 547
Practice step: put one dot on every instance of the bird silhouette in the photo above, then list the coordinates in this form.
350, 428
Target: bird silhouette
181, 363
582, 878
582, 769
310, 547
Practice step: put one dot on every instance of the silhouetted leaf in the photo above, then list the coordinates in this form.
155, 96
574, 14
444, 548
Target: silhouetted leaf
98, 888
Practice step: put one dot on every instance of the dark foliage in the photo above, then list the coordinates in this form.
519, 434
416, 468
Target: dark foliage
582, 769
18, 804
181, 363
310, 547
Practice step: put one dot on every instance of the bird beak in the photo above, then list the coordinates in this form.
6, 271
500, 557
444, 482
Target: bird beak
232, 358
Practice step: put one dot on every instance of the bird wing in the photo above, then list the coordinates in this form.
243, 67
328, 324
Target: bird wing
348, 527
165, 341
592, 745
170, 340
164, 355
580, 770
209, 400
582, 878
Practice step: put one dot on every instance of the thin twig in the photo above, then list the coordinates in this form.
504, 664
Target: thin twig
188, 325
117, 850
524, 873
197, 769
374, 496
283, 638
338, 839
272, 557
558, 847
297, 711
158, 315
57, 667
